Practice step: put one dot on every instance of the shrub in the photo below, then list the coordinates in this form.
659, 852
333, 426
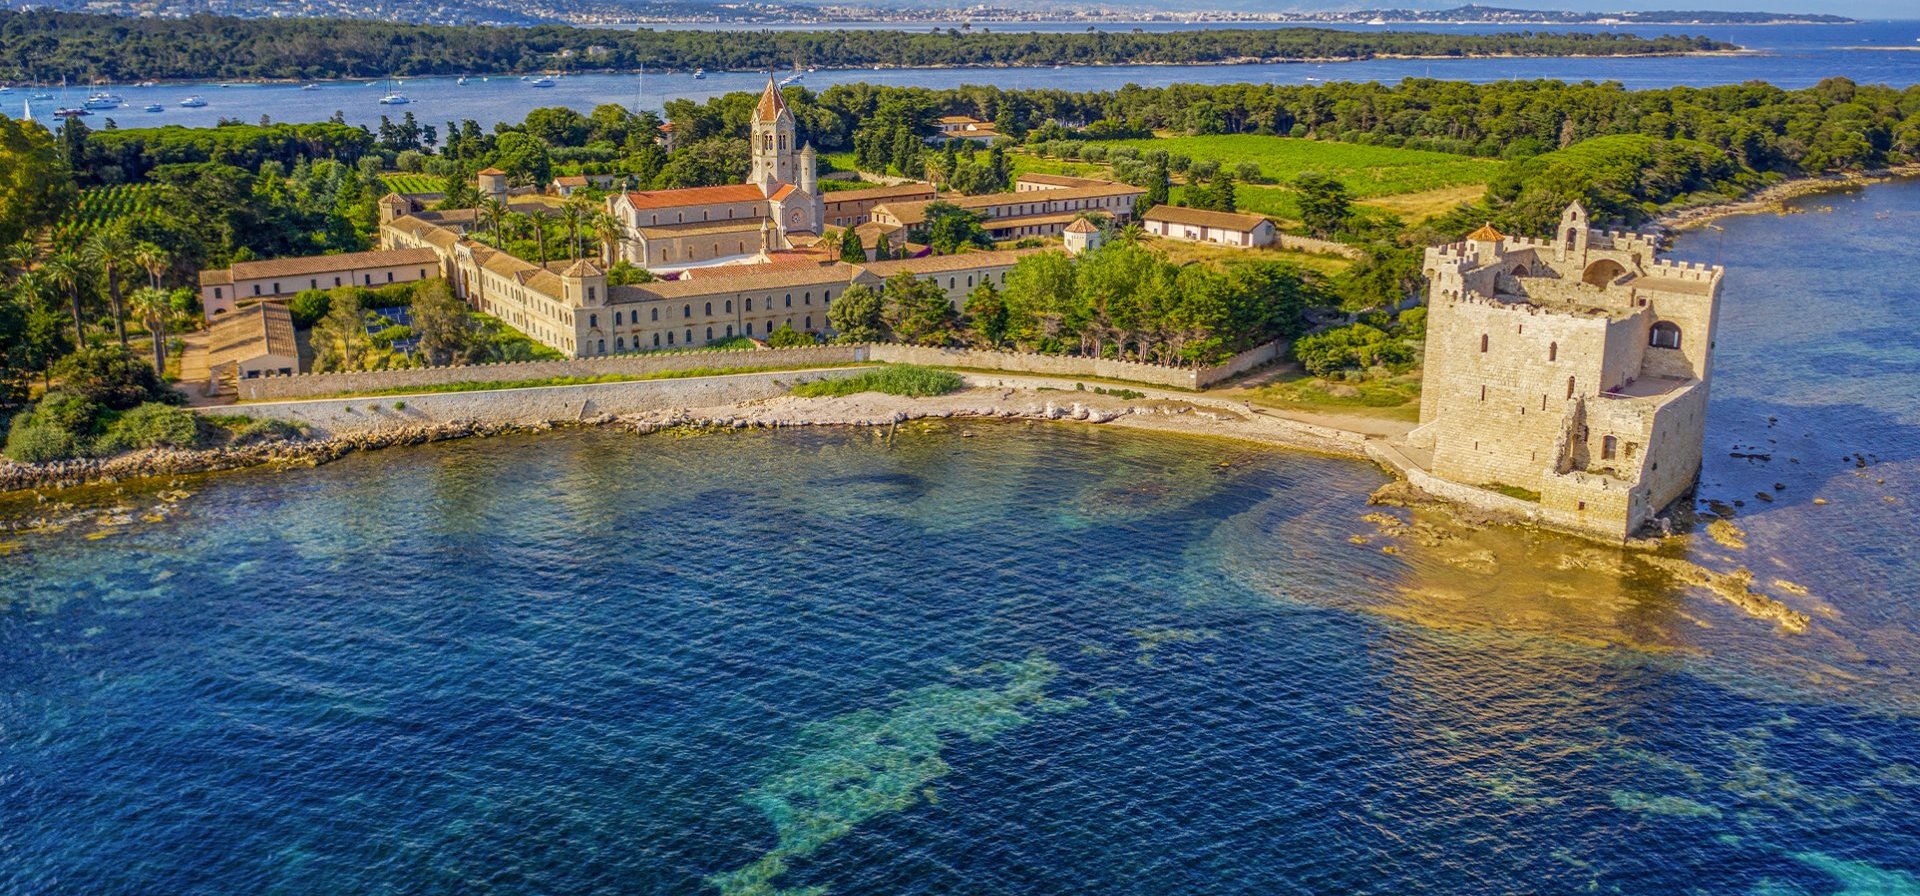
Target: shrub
151, 425
1354, 346
309, 307
269, 430
788, 337
909, 380
113, 377
59, 426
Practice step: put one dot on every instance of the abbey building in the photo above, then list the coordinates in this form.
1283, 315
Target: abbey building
1572, 372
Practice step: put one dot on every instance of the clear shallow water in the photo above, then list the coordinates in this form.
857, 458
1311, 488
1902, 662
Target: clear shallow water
1789, 56
1040, 659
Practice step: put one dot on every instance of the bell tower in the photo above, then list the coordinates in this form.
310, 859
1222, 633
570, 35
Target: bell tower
772, 137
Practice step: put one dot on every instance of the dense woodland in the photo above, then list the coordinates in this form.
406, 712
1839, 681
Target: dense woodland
45, 45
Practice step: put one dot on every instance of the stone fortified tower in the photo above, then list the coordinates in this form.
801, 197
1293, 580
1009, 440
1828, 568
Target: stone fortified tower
1575, 369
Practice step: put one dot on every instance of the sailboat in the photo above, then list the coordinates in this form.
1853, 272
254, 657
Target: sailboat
394, 97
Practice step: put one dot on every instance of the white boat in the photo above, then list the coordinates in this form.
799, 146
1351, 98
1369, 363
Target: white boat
193, 102
395, 99
72, 113
542, 81
148, 84
155, 107
5, 89
309, 87
42, 97
462, 81
699, 74
104, 100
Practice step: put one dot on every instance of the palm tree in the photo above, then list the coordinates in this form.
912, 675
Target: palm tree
68, 270
494, 213
1131, 234
154, 305
574, 215
111, 252
154, 260
538, 222
610, 232
20, 256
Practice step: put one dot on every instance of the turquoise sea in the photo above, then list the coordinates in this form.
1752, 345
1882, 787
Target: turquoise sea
998, 658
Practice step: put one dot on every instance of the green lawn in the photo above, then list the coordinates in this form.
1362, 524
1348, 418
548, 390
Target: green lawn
1368, 171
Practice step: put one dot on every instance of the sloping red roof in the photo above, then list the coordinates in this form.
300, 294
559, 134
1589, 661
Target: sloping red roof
696, 196
771, 103
1486, 234
784, 191
491, 172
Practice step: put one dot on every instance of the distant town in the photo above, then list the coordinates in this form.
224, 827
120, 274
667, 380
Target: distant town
661, 12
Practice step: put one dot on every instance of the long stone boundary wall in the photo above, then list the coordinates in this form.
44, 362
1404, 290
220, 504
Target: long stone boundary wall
527, 406
282, 388
1309, 244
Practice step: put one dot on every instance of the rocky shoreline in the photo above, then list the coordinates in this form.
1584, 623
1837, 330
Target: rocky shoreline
864, 409
1775, 198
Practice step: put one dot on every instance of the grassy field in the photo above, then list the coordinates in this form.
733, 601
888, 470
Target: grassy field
412, 183
1367, 171
1394, 398
1182, 252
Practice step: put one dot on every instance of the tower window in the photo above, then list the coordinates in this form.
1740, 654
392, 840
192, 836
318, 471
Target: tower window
1609, 446
1483, 343
1553, 351
1664, 335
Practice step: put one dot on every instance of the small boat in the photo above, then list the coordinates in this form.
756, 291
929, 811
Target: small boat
462, 81
542, 81
104, 100
193, 102
395, 99
148, 84
155, 107
5, 89
309, 87
42, 97
699, 74
71, 113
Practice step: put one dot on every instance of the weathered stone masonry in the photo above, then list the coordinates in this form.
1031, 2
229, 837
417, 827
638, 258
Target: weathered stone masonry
1575, 367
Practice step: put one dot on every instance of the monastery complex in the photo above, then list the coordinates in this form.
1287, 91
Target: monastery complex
1575, 369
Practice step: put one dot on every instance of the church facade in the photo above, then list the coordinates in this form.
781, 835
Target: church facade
779, 207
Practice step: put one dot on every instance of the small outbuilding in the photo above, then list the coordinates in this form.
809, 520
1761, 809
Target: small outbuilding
252, 342
1199, 225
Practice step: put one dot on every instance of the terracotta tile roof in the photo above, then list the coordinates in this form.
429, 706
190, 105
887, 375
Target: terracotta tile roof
915, 212
1486, 233
1062, 180
941, 264
875, 194
265, 328
1082, 226
1200, 217
571, 180
771, 103
689, 196
731, 279
326, 264
784, 191
216, 278
582, 268
491, 172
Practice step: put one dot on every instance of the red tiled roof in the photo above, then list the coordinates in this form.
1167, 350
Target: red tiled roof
771, 103
696, 196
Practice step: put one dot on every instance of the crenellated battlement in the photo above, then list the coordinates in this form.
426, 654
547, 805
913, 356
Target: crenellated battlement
1691, 272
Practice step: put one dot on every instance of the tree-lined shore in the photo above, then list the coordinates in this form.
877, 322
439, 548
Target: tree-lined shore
44, 46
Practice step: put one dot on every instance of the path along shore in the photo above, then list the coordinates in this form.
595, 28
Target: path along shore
1775, 198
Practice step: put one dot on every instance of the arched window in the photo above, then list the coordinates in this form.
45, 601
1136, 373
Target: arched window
709, 311
619, 343
603, 346
729, 331
686, 312
809, 321
1665, 335
749, 304
656, 340
1553, 351
593, 320
1609, 446
749, 328
1569, 387
1483, 343
616, 318
789, 300
669, 337
689, 337
709, 334
656, 314
729, 306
